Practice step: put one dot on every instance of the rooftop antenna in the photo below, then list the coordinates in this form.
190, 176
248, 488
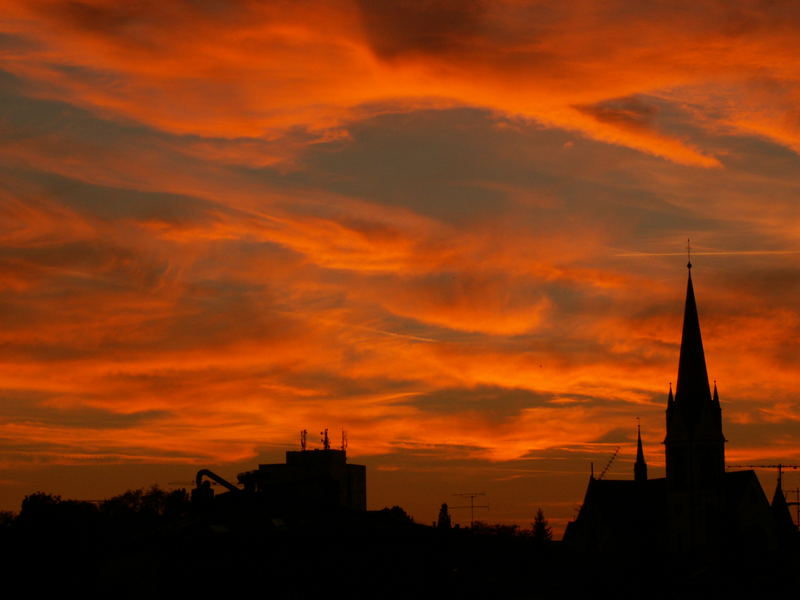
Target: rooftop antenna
471, 506
326, 442
608, 464
344, 440
303, 438
688, 253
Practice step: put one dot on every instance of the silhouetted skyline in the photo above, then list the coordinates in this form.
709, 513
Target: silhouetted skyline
454, 229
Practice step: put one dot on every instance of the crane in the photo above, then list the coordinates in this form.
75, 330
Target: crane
610, 460
779, 466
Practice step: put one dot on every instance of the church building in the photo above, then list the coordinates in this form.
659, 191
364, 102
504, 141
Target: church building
698, 506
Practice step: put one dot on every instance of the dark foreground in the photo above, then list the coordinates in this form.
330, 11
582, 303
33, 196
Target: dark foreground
140, 547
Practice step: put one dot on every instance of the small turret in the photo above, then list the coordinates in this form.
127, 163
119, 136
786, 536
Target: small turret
780, 512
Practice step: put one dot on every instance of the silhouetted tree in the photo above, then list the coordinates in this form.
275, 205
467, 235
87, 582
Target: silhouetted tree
38, 503
444, 521
6, 518
541, 530
481, 527
398, 515
46, 512
151, 503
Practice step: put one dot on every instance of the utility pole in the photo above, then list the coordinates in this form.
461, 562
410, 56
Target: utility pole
472, 506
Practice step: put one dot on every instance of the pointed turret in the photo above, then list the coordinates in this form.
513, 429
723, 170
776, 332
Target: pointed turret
781, 513
640, 467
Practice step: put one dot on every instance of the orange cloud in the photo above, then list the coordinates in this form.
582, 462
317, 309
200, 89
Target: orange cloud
253, 70
212, 233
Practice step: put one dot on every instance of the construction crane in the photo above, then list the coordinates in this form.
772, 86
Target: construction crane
214, 477
608, 464
779, 466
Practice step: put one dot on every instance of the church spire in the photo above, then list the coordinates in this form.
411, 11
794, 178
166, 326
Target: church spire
640, 467
692, 389
694, 444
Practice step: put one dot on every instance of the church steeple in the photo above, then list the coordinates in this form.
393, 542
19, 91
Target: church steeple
640, 467
695, 453
692, 389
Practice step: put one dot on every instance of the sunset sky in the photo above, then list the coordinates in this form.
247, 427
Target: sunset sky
456, 229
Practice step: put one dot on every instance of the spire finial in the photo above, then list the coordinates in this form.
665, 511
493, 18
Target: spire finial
689, 253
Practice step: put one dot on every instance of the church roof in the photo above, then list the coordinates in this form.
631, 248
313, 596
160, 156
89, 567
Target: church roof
618, 500
619, 514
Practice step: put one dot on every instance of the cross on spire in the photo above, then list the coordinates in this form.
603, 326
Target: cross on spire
692, 388
688, 253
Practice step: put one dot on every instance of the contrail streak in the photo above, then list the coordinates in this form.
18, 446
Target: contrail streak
709, 253
345, 324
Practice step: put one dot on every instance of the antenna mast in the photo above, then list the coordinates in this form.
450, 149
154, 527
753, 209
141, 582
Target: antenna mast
472, 506
326, 442
303, 437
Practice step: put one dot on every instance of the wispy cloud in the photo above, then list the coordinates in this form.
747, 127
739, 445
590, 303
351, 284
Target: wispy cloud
222, 223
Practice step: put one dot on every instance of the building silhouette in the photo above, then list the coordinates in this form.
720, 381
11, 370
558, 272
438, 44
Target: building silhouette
698, 507
309, 480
